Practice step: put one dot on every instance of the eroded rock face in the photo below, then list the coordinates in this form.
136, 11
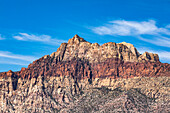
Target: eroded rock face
87, 77
66, 94
78, 47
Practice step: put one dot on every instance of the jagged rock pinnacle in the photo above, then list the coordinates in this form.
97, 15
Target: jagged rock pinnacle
76, 36
76, 40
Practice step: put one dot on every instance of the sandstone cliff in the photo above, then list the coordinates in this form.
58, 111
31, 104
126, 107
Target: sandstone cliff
78, 47
85, 77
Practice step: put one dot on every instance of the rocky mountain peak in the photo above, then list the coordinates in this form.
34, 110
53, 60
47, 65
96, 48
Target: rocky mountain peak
10, 73
127, 44
79, 47
76, 40
146, 56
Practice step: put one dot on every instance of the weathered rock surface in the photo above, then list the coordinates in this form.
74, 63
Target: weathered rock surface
78, 47
85, 77
65, 94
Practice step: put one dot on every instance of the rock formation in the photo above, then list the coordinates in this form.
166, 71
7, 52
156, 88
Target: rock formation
78, 47
85, 77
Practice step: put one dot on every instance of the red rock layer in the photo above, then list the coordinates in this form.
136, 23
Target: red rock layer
81, 69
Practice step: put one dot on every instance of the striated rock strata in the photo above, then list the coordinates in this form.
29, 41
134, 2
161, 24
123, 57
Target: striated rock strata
85, 77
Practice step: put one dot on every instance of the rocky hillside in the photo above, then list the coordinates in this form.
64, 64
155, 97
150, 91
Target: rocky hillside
85, 77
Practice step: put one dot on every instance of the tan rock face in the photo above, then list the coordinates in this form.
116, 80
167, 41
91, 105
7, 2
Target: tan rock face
81, 76
66, 94
78, 47
148, 57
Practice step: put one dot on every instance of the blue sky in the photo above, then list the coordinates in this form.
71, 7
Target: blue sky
30, 29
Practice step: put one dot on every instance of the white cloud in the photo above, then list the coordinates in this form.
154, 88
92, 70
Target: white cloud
137, 29
6, 54
130, 28
160, 41
164, 54
39, 38
14, 63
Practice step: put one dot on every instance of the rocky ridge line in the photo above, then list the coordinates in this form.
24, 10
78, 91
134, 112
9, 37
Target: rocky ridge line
78, 47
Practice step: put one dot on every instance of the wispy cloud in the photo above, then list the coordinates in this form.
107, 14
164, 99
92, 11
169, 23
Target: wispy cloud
160, 41
21, 63
6, 54
158, 35
164, 55
38, 38
130, 28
